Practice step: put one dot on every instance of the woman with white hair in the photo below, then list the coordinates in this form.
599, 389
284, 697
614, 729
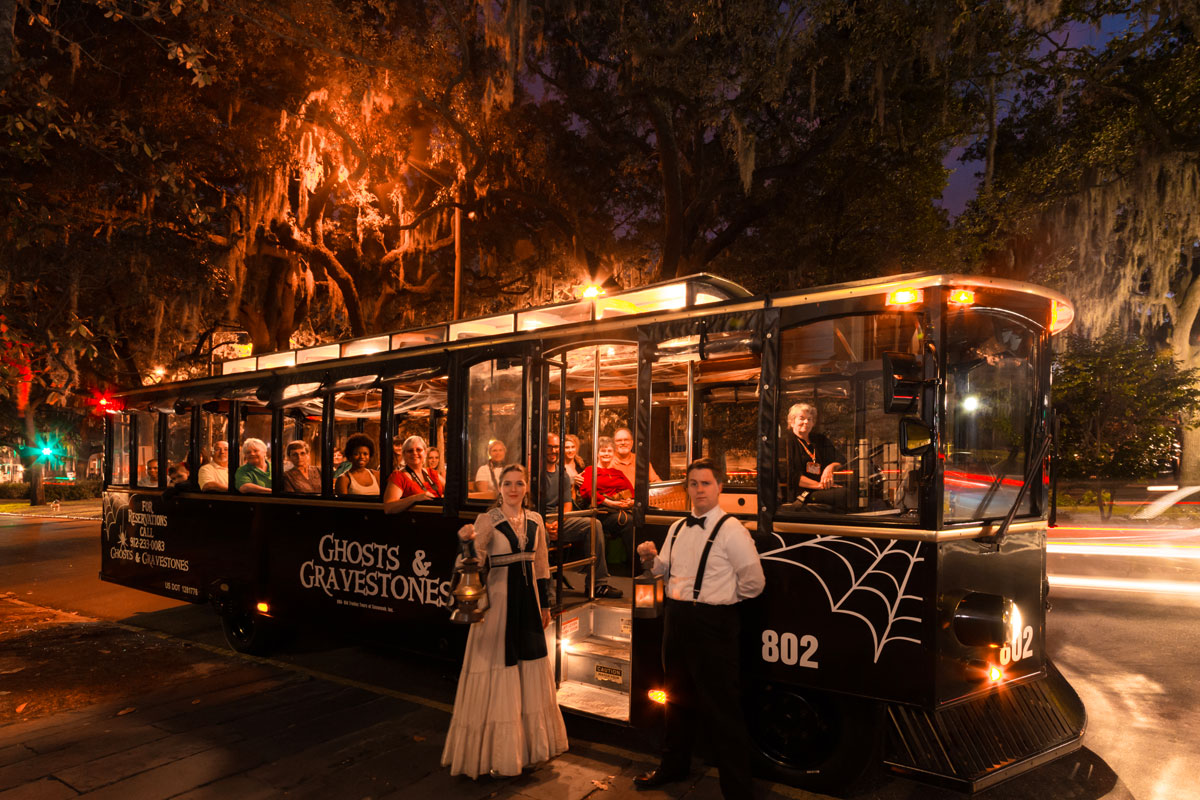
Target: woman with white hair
254, 475
812, 460
412, 482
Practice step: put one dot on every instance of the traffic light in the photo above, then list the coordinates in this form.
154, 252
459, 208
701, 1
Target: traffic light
102, 403
48, 449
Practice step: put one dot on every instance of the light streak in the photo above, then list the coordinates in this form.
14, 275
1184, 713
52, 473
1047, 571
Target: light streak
1135, 551
1125, 585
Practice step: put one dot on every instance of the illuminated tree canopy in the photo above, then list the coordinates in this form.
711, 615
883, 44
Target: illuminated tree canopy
303, 171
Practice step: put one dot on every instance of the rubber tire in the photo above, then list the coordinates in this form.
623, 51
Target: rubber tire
814, 740
248, 633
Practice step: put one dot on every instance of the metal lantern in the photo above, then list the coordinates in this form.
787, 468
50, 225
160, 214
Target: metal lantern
648, 595
468, 591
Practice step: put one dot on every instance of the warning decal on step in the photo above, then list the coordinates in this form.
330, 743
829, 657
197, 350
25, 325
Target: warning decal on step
612, 674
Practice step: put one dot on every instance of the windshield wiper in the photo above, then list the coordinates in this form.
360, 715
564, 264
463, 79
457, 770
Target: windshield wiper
997, 538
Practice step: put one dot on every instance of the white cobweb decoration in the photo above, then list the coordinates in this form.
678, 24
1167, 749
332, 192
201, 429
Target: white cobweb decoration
869, 581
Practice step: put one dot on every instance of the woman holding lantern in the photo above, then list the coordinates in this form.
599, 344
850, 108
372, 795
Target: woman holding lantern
506, 715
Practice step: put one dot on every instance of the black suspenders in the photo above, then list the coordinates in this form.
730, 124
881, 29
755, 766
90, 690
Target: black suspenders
703, 555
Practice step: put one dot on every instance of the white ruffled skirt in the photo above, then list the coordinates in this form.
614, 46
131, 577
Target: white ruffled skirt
505, 718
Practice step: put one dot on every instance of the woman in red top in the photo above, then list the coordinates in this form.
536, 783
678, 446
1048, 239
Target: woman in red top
615, 494
411, 482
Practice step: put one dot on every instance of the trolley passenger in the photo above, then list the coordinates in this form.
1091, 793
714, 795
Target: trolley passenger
487, 477
812, 461
340, 464
574, 529
614, 495
433, 462
572, 463
412, 482
150, 476
360, 479
624, 459
254, 475
303, 477
214, 475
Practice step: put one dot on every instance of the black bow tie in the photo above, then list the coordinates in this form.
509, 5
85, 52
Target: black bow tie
697, 521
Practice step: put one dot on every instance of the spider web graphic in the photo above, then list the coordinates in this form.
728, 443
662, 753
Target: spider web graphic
863, 578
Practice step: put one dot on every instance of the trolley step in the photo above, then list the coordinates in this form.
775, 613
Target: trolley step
598, 661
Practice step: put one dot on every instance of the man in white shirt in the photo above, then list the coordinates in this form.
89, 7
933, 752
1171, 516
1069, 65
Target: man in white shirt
709, 563
214, 476
487, 477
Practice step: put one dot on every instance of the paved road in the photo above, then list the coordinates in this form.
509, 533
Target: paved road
333, 720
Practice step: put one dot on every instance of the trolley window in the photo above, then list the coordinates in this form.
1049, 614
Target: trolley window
495, 423
179, 443
120, 449
705, 403
147, 448
213, 475
253, 473
991, 397
356, 417
302, 447
838, 451
419, 409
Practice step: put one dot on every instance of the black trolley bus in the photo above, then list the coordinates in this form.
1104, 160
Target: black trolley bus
904, 613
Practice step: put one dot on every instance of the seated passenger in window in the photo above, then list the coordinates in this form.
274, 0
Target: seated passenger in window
177, 475
360, 479
214, 475
624, 459
412, 482
149, 476
303, 477
340, 465
812, 461
433, 462
254, 475
487, 477
572, 463
614, 495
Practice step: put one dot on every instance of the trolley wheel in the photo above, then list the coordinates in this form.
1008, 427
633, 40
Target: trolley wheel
812, 739
247, 632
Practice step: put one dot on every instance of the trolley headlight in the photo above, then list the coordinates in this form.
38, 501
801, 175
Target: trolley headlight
985, 620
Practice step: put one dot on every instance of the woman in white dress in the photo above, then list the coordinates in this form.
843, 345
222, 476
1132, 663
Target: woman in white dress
506, 713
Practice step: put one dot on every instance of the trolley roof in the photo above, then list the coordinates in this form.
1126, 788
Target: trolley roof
662, 299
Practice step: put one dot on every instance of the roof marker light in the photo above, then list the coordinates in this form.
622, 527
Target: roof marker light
658, 696
1061, 316
905, 297
962, 297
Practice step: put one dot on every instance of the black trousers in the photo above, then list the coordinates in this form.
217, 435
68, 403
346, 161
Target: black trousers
701, 659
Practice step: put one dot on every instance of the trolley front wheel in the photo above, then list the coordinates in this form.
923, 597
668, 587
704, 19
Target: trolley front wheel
247, 632
815, 740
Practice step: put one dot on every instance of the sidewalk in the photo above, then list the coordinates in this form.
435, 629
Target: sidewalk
103, 710
66, 509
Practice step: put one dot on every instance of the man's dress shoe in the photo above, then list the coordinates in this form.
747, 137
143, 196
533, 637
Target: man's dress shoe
657, 777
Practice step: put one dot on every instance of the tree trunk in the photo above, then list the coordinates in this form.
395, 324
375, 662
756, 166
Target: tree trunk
1189, 458
672, 188
8, 44
33, 462
1183, 318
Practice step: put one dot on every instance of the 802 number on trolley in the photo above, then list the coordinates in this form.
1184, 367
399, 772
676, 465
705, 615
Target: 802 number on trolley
789, 649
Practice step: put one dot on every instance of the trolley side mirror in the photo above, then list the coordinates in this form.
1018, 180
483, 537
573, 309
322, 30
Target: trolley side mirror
916, 438
902, 380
